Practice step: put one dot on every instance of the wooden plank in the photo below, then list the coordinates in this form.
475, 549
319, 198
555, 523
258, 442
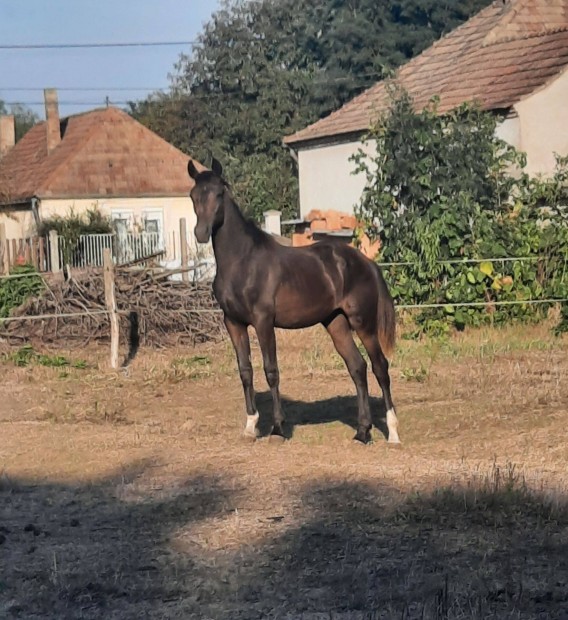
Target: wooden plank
138, 261
110, 300
54, 265
34, 252
28, 251
4, 251
184, 249
14, 260
42, 265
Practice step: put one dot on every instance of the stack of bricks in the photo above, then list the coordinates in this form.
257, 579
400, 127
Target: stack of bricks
324, 222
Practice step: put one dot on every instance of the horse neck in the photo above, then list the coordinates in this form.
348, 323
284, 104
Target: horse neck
232, 240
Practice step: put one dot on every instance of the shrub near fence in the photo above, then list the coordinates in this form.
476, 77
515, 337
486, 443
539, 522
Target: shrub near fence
479, 291
441, 197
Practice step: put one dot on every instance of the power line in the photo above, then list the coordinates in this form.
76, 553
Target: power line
85, 88
321, 79
60, 46
61, 103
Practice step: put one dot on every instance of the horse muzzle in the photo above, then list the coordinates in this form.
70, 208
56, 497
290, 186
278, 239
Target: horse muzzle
202, 233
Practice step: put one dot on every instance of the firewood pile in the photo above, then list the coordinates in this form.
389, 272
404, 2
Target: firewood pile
154, 310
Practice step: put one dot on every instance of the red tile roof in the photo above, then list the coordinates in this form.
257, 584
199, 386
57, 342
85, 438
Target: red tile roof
103, 153
502, 54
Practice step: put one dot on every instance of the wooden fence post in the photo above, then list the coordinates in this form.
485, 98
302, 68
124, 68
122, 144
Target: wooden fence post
42, 265
34, 250
4, 251
110, 299
54, 252
184, 249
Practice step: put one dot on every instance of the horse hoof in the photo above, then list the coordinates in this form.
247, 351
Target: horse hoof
394, 443
276, 439
249, 437
363, 438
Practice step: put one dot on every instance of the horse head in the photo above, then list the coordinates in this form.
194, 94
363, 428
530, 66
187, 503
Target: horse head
207, 195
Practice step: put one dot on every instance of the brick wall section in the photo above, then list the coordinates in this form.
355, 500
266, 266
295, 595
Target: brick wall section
332, 221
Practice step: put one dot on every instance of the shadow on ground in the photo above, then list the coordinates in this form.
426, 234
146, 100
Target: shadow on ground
347, 550
337, 409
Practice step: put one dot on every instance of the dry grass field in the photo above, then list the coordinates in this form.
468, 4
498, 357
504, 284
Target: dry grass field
130, 494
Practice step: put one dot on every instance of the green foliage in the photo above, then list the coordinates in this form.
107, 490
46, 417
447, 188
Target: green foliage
15, 291
266, 68
72, 226
194, 367
443, 187
24, 118
26, 356
418, 374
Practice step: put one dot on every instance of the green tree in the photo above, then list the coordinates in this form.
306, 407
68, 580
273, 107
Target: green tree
24, 118
444, 188
265, 68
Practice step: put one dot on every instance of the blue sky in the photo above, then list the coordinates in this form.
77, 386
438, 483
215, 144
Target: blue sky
24, 22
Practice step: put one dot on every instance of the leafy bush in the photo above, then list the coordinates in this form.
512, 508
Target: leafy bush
15, 291
72, 226
443, 193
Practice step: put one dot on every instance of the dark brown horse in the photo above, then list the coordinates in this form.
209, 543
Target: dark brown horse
262, 283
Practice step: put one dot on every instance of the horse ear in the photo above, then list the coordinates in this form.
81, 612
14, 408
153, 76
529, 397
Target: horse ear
216, 167
192, 170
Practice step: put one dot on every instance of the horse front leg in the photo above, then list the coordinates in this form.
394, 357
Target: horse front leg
240, 339
267, 341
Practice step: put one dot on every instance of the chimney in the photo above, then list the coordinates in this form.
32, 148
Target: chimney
7, 134
52, 117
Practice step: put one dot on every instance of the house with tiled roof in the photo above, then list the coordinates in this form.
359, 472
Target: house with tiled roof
102, 159
511, 58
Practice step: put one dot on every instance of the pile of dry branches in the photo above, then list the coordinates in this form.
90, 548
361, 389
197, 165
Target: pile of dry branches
154, 310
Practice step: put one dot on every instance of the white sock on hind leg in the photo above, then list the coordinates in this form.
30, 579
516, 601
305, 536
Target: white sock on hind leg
392, 424
250, 428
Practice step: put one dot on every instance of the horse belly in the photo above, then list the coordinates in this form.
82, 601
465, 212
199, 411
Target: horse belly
296, 308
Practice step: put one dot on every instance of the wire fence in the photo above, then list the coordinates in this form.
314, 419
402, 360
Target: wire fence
485, 303
467, 261
470, 304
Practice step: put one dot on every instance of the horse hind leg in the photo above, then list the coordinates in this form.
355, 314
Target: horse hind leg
380, 368
340, 332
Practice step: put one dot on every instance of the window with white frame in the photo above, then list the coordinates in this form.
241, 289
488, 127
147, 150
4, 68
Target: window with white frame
153, 222
122, 220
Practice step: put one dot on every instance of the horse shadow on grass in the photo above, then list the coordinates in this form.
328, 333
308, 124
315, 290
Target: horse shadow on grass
301, 413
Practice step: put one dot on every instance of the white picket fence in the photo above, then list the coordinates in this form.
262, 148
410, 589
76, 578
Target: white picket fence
128, 247
88, 252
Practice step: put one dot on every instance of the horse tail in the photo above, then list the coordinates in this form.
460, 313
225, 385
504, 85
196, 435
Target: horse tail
386, 318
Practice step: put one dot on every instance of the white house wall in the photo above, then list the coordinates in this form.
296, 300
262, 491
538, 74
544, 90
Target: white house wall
326, 179
509, 130
544, 125
539, 128
17, 222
